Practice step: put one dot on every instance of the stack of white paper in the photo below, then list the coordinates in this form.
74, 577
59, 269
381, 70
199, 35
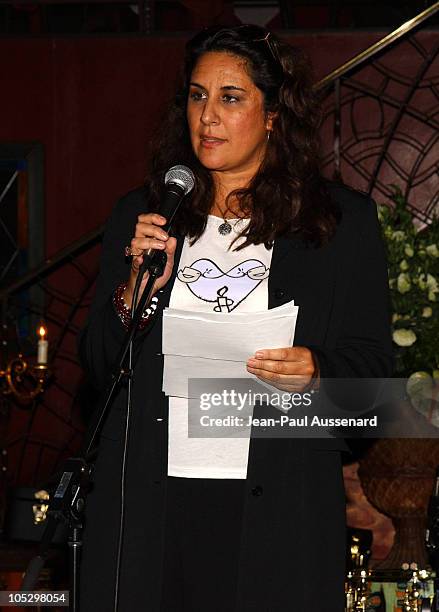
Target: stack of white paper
218, 345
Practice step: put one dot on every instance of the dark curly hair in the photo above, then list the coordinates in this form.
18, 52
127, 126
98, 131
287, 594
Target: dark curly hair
288, 194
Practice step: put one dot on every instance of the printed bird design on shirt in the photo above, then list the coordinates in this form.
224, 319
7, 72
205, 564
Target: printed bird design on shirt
224, 289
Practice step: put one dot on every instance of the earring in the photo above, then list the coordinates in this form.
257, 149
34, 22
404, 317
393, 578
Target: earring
268, 135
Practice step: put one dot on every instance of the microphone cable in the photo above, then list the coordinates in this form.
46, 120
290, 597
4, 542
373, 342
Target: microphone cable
125, 445
183, 178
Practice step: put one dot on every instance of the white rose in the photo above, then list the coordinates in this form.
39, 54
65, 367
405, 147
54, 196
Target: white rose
420, 389
409, 251
427, 312
422, 281
428, 282
418, 379
398, 236
404, 265
404, 337
432, 283
432, 250
396, 317
403, 283
432, 296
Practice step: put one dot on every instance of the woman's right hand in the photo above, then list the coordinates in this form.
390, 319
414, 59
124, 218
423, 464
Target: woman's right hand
149, 235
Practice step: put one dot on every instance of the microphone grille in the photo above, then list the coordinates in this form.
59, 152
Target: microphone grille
181, 175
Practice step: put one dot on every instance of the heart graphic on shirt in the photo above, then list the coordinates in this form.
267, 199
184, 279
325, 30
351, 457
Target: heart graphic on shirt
224, 289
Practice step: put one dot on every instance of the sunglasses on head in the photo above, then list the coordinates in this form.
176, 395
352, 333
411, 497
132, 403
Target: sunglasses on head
253, 34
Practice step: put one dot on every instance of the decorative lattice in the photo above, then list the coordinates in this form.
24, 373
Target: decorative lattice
8, 237
40, 436
381, 125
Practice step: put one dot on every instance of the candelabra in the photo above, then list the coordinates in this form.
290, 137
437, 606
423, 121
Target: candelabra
22, 381
416, 597
357, 590
414, 601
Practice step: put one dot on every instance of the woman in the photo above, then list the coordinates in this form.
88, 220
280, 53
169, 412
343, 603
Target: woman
234, 524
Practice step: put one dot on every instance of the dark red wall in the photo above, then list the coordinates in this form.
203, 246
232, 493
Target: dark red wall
93, 103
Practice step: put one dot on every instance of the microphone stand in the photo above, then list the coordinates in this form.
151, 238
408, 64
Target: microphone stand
68, 502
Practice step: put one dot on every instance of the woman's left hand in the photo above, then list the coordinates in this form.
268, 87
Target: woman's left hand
289, 369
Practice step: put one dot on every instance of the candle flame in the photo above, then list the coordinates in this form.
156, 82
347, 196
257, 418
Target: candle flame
42, 332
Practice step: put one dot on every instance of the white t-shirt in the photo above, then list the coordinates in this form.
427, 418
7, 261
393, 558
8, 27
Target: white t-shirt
211, 278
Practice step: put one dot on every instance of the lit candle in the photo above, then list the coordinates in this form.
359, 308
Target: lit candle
43, 346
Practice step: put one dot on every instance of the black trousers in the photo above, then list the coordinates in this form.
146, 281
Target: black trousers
203, 530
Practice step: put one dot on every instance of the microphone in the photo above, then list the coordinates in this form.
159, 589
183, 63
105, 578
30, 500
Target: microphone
179, 181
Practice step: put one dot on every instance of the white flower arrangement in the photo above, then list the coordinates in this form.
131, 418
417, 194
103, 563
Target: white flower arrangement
413, 261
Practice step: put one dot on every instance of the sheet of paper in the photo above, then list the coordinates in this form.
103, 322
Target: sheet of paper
221, 317
178, 369
215, 345
214, 338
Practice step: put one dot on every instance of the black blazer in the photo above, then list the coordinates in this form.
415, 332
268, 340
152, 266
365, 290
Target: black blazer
292, 546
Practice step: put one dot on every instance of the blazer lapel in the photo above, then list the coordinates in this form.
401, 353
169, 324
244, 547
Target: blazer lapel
304, 274
282, 248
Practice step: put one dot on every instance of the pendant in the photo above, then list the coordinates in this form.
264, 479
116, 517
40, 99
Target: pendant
225, 228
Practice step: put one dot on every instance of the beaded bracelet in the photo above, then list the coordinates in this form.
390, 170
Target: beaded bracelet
124, 311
